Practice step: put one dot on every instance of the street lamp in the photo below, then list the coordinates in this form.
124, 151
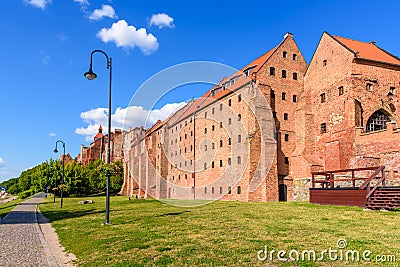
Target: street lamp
62, 175
90, 75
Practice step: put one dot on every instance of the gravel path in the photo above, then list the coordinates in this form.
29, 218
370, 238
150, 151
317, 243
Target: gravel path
21, 241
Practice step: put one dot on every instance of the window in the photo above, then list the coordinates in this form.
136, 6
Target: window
191, 148
274, 114
286, 160
213, 145
229, 121
173, 177
283, 96
294, 75
220, 143
294, 57
287, 137
285, 116
179, 177
205, 165
324, 62
205, 147
213, 128
205, 130
205, 190
229, 102
283, 73
220, 106
229, 141
185, 137
191, 162
323, 98
239, 117
220, 190
212, 110
229, 190
220, 162
323, 127
368, 87
239, 98
185, 174
284, 54
220, 124
212, 190
341, 90
377, 121
294, 98
205, 114
212, 164
185, 149
191, 133
239, 190
229, 161
272, 71
239, 160
239, 138
272, 94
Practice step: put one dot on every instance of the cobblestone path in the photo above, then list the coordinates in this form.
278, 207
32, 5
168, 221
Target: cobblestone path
21, 240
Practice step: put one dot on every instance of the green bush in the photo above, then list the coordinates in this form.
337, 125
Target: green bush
26, 193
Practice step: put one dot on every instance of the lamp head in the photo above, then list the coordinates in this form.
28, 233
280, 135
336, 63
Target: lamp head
55, 150
90, 75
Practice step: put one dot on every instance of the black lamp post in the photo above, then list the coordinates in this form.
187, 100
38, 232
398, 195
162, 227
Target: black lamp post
90, 75
62, 175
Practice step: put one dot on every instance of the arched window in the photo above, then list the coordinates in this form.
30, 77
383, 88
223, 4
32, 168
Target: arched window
229, 190
239, 190
377, 121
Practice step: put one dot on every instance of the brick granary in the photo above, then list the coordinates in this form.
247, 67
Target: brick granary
260, 133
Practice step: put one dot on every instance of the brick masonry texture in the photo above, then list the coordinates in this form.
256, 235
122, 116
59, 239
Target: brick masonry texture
259, 134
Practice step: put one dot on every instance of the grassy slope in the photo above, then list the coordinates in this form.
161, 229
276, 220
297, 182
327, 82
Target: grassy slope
223, 233
9, 206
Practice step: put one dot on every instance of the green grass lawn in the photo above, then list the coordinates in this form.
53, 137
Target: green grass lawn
223, 233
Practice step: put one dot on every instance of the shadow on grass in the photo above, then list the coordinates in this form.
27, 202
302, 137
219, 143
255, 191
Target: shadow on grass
172, 213
59, 215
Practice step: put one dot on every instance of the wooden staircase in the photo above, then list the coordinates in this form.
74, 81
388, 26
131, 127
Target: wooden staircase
387, 198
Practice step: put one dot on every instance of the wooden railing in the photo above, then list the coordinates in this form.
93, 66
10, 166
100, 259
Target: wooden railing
329, 180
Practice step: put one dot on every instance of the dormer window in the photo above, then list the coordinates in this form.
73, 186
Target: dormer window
248, 71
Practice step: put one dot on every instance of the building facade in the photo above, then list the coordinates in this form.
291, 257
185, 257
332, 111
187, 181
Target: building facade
258, 134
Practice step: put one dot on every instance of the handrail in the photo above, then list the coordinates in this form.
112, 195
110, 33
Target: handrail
373, 175
376, 186
346, 170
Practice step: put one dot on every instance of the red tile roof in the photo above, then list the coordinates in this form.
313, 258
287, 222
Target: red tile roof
368, 50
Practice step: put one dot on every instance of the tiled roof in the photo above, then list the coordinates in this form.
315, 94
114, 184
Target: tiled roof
368, 51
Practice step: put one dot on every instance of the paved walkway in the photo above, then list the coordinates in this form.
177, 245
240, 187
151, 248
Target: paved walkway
21, 241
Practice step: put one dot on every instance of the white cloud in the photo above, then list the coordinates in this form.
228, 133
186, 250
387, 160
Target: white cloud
105, 11
124, 118
52, 134
128, 37
82, 2
61, 37
38, 3
1, 161
162, 20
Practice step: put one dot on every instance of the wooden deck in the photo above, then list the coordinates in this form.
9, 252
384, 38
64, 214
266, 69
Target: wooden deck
338, 196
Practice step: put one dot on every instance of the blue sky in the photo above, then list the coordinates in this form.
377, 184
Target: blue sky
45, 49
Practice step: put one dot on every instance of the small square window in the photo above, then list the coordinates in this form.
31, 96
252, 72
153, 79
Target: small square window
239, 98
285, 116
272, 71
294, 75
341, 90
323, 98
205, 130
324, 62
294, 57
286, 160
284, 54
323, 127
283, 96
287, 137
294, 98
283, 73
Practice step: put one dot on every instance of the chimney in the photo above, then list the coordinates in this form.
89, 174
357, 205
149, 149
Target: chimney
373, 42
287, 35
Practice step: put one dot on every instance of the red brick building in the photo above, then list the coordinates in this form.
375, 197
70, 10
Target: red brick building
258, 134
98, 148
